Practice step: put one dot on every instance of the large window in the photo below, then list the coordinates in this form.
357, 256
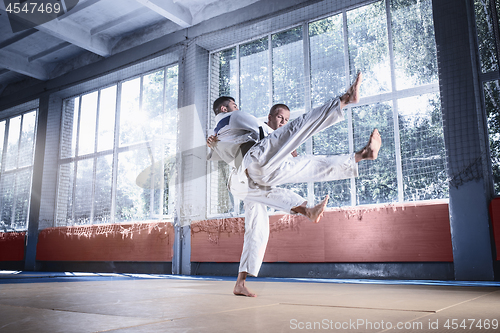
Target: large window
17, 147
488, 37
118, 147
392, 43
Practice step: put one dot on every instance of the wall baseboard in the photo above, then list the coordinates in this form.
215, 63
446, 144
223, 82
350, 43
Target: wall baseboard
399, 271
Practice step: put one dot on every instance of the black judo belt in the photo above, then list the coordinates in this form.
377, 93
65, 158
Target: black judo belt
245, 147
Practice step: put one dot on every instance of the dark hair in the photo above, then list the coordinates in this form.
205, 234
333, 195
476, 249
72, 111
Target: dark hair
221, 101
275, 107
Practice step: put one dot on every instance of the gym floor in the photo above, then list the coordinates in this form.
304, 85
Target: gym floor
92, 302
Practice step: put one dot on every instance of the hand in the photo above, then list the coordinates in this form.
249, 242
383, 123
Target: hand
212, 141
294, 153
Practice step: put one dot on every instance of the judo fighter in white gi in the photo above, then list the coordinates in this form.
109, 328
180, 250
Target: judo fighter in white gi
261, 159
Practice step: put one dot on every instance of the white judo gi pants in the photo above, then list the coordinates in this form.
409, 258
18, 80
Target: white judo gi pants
269, 163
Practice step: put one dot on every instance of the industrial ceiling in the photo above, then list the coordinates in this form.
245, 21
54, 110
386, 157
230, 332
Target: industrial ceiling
86, 31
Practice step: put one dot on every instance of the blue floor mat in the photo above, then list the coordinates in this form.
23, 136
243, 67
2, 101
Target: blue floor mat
8, 277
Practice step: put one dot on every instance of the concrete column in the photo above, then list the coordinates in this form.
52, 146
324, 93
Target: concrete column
191, 156
466, 140
36, 186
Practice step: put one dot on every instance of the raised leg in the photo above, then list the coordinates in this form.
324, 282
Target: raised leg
370, 151
352, 95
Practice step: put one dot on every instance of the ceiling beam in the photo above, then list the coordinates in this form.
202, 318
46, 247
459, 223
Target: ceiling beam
220, 7
81, 5
172, 11
69, 32
12, 61
17, 37
49, 51
119, 20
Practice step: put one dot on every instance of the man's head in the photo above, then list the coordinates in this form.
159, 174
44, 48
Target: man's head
278, 116
224, 104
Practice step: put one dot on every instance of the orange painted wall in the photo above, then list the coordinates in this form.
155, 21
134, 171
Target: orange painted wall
151, 241
495, 221
12, 246
390, 233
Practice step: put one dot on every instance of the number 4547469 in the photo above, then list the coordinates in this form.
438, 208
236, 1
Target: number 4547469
465, 324
33, 8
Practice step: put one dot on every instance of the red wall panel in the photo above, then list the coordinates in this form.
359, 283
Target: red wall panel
495, 221
390, 233
12, 246
393, 233
113, 242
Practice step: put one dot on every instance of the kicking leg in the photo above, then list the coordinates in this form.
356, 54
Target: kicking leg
370, 151
352, 95
278, 145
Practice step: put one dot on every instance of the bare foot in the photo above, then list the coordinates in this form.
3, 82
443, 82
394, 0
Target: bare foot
352, 94
370, 151
240, 288
243, 291
316, 213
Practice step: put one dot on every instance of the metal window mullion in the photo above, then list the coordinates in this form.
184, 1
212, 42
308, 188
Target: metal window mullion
151, 183
15, 171
270, 69
75, 166
30, 169
114, 177
478, 93
32, 162
397, 139
307, 98
96, 134
94, 167
35, 130
149, 147
496, 30
161, 200
19, 141
14, 195
490, 76
237, 97
4, 160
307, 68
350, 126
397, 152
210, 167
270, 66
59, 163
237, 70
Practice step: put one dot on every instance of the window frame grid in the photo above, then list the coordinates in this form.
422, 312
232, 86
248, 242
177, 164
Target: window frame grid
115, 151
485, 77
15, 171
395, 110
390, 96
